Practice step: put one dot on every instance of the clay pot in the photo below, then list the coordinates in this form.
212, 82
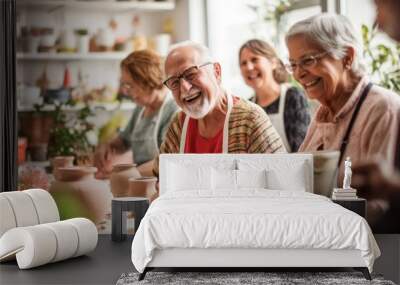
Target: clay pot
325, 171
78, 194
119, 178
105, 172
61, 161
142, 186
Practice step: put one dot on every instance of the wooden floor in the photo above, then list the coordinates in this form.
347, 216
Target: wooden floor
102, 266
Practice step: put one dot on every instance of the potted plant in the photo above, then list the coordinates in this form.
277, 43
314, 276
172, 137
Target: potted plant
70, 136
383, 60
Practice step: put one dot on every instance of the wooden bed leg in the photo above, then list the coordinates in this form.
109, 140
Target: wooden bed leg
143, 274
364, 271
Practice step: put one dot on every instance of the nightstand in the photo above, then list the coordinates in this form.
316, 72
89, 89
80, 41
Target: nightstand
120, 206
357, 205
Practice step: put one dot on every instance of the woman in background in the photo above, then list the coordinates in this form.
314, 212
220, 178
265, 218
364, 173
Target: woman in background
285, 105
142, 81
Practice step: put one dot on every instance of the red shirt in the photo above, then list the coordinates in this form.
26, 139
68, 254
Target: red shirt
195, 143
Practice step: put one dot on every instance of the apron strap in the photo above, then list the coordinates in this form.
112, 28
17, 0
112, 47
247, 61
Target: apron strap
183, 136
282, 99
353, 119
158, 123
281, 117
225, 141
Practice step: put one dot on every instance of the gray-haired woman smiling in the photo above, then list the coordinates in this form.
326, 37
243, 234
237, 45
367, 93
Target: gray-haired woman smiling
355, 117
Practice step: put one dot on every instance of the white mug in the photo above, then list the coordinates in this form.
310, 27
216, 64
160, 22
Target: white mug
83, 43
162, 43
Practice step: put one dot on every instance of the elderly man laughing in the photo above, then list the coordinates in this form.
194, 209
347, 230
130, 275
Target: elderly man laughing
211, 120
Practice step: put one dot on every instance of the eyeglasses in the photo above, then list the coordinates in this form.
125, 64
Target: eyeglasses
125, 86
190, 74
307, 62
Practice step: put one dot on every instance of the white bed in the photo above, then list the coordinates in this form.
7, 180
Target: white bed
221, 211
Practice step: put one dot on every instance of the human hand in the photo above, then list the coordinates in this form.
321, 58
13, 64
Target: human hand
103, 157
156, 194
373, 180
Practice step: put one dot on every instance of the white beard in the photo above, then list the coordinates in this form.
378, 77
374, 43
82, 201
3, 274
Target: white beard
200, 109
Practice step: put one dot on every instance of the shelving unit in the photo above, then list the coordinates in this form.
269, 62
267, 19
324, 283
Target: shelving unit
98, 6
124, 106
72, 56
98, 70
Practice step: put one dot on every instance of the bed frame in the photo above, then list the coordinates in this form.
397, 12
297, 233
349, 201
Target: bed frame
242, 259
246, 258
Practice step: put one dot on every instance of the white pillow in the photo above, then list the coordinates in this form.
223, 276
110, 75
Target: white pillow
251, 178
291, 180
281, 174
188, 177
223, 179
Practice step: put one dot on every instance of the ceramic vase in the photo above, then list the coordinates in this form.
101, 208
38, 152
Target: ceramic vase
119, 178
78, 194
142, 186
83, 43
325, 171
59, 162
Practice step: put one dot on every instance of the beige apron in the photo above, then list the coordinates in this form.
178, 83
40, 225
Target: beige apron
145, 137
277, 119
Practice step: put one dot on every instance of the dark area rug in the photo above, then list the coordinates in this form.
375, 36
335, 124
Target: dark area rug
229, 278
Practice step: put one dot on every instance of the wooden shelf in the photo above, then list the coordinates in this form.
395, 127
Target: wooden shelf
98, 6
124, 106
72, 56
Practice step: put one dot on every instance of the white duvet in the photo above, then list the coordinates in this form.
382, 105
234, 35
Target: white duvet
253, 218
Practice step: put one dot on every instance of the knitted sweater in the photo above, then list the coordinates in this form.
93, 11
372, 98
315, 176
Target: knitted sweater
250, 131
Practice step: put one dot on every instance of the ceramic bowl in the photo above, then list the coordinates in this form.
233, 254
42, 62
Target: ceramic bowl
60, 95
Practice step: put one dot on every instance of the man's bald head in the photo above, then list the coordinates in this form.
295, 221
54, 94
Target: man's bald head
183, 52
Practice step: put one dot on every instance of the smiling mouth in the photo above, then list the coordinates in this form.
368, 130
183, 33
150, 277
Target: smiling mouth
312, 83
253, 76
192, 98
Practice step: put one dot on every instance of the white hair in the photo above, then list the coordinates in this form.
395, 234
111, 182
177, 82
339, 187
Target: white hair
204, 52
334, 34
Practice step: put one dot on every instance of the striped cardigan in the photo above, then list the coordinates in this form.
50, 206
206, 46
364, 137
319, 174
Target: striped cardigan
250, 131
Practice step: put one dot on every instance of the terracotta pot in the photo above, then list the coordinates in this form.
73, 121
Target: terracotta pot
78, 194
119, 178
61, 161
105, 172
142, 186
325, 171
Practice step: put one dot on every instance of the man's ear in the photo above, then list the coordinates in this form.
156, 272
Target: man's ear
217, 71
